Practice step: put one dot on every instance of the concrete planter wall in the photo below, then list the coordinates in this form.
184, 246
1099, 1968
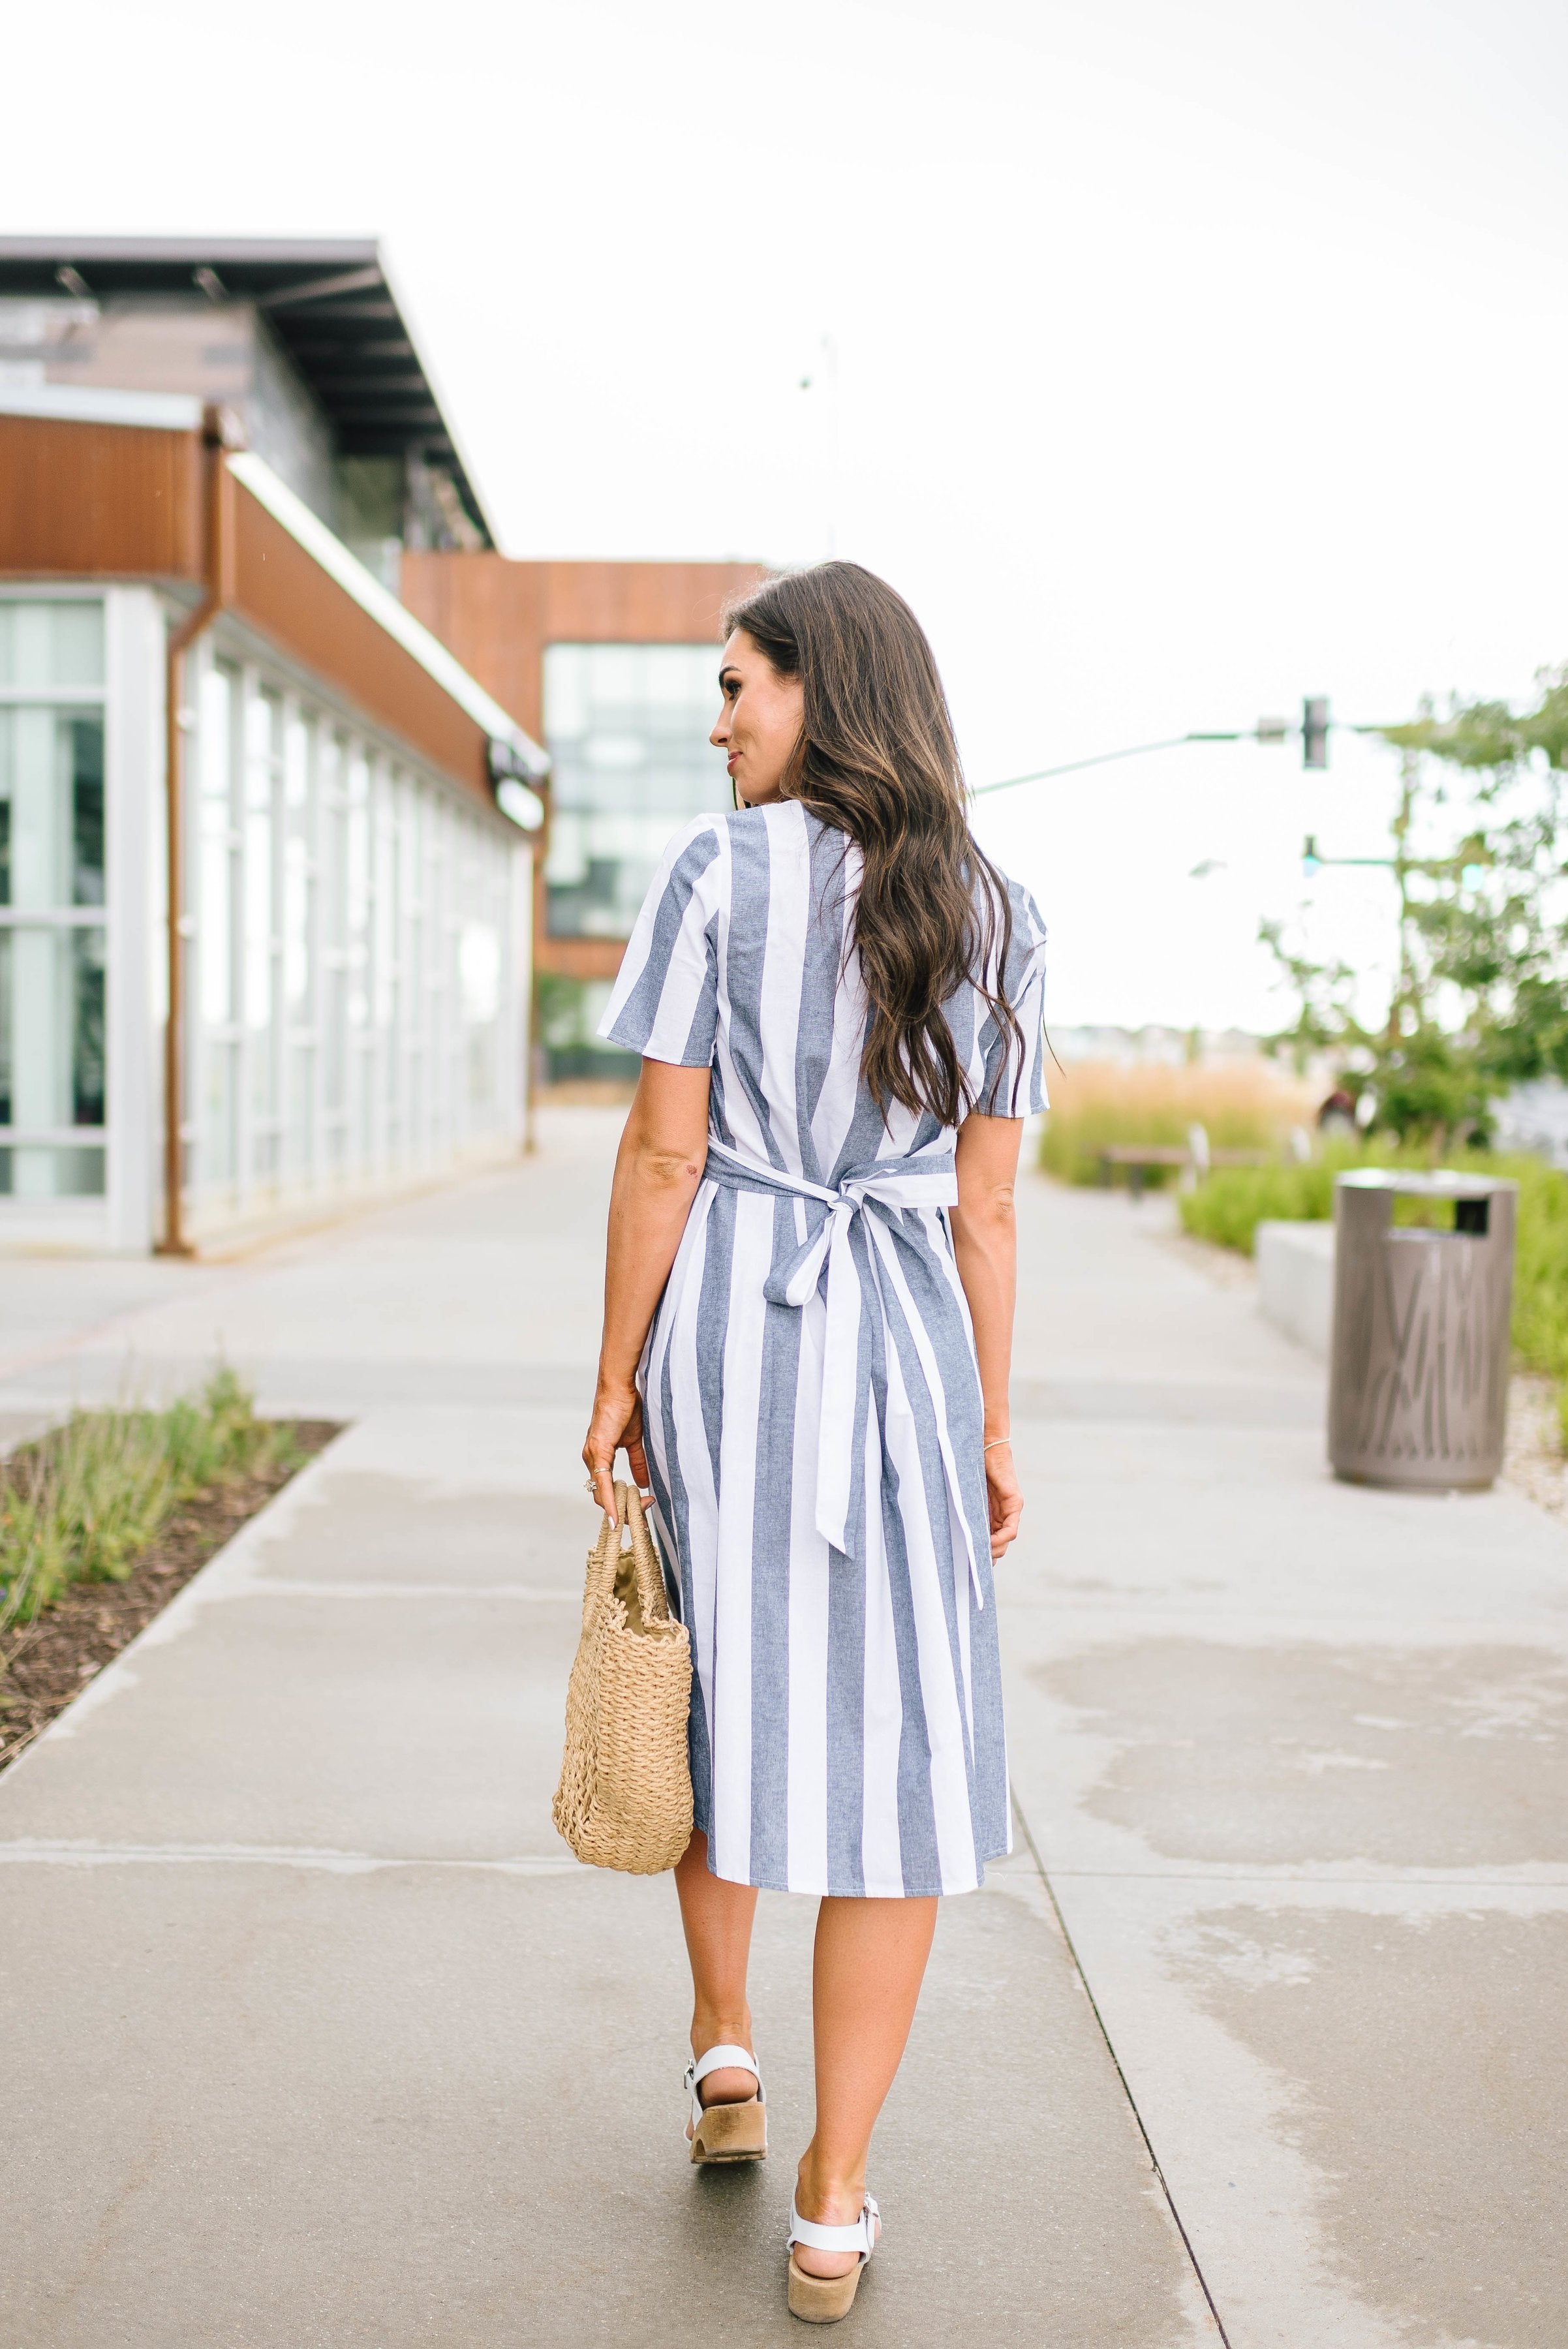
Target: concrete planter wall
1295, 1281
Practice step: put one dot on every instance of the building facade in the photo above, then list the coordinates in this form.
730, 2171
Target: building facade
290, 910
614, 667
265, 926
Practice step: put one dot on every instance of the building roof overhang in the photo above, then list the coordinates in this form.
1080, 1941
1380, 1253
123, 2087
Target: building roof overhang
330, 302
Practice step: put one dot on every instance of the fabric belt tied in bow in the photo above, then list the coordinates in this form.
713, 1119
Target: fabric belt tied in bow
909, 1182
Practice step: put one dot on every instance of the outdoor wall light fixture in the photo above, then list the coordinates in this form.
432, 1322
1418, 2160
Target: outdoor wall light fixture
512, 778
525, 807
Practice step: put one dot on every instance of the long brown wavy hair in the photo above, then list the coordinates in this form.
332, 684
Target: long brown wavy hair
877, 758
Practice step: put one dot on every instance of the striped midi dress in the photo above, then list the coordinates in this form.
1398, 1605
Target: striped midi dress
811, 1400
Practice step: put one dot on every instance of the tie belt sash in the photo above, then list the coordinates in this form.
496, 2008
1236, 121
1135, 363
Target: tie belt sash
911, 1182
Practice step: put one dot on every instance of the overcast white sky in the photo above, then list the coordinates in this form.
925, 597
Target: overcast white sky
1190, 357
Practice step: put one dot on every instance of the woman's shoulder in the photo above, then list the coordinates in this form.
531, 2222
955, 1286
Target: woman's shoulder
1027, 921
701, 857
776, 816
719, 824
694, 849
784, 825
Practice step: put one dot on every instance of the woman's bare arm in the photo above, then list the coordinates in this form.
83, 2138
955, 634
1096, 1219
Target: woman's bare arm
985, 1246
663, 1150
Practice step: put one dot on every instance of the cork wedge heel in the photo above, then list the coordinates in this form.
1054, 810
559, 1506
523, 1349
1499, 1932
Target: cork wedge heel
823, 2300
736, 2132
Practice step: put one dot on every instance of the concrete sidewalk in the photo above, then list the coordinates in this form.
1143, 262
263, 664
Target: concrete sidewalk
1292, 1754
317, 2034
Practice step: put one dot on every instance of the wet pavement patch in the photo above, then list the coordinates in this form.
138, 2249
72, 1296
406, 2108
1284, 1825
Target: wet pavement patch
1294, 1752
1424, 2073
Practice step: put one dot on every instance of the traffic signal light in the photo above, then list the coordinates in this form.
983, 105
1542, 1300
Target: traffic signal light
1314, 731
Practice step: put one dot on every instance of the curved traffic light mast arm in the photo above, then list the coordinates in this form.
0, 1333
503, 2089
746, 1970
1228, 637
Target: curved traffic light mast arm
1434, 867
1314, 730
1105, 758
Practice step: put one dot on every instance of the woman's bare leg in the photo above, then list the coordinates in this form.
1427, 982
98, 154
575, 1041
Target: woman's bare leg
717, 1916
865, 1980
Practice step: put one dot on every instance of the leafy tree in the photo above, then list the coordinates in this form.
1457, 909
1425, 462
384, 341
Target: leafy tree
1479, 998
1496, 927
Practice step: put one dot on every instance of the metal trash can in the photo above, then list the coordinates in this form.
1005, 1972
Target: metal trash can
1417, 1392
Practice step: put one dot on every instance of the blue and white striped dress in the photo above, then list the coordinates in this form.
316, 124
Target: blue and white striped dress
811, 1399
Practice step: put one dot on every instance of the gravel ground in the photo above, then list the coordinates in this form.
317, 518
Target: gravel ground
1534, 1461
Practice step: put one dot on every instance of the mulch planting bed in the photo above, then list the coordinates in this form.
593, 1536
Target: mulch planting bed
45, 1663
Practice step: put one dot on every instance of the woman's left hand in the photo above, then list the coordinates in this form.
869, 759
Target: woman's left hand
1003, 1496
617, 1421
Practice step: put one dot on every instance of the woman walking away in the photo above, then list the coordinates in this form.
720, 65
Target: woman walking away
808, 1319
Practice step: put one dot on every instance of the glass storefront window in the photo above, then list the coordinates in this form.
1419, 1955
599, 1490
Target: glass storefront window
356, 930
298, 876
51, 644
217, 929
263, 793
357, 938
52, 937
627, 729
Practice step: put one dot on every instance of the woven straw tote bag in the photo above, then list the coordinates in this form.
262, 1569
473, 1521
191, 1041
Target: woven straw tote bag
625, 1797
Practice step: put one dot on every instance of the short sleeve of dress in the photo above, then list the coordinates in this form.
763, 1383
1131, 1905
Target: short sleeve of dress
665, 1003
1014, 1082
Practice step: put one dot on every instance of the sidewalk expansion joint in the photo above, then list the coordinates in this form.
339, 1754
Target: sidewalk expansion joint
274, 1587
1127, 2085
49, 1852
1524, 1876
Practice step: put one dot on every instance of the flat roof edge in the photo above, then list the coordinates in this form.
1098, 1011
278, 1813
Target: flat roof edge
304, 249
74, 403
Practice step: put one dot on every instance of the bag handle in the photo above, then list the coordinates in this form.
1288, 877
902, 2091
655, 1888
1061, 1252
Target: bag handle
652, 1597
606, 1556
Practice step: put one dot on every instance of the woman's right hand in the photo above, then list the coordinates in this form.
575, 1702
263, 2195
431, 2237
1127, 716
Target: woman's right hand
617, 1421
1004, 1496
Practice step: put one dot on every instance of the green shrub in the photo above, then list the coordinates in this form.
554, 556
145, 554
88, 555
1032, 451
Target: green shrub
1541, 1275
84, 1501
1230, 1205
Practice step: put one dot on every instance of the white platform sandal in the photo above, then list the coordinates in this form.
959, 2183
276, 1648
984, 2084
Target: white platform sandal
737, 2132
823, 2300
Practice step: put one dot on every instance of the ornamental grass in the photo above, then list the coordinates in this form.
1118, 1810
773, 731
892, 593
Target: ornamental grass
1096, 1105
84, 1501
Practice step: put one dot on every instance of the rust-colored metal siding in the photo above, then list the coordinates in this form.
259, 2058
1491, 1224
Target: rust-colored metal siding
296, 605
125, 501
103, 501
